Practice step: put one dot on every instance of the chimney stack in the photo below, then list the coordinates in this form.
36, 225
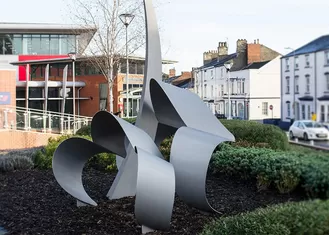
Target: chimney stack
172, 72
222, 48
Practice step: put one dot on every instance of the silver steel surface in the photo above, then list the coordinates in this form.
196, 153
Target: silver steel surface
165, 110
68, 162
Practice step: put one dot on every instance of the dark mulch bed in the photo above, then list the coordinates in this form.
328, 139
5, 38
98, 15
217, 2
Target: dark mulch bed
31, 202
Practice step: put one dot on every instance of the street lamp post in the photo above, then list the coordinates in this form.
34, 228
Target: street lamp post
72, 55
228, 67
126, 19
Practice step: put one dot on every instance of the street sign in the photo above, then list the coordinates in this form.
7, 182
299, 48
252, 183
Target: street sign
271, 107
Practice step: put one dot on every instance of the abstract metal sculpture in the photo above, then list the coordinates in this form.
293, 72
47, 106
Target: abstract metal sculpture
165, 110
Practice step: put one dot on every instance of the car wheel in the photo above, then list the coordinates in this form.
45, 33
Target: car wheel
305, 136
291, 135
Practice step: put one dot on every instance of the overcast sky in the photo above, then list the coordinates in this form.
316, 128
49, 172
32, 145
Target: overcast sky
190, 27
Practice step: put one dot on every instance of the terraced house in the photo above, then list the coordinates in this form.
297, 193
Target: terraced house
305, 82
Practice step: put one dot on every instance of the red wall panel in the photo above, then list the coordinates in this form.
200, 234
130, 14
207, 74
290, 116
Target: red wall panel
21, 69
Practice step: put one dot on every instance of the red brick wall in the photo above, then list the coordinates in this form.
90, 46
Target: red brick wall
8, 84
22, 140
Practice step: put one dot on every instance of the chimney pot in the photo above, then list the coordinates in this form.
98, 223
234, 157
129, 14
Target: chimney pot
257, 41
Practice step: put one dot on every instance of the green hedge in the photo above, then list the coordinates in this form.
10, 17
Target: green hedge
283, 169
249, 133
43, 158
309, 217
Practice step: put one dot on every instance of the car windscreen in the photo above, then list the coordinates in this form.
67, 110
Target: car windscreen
312, 125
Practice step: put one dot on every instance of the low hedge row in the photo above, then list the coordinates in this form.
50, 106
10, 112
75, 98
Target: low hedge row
283, 169
257, 134
308, 217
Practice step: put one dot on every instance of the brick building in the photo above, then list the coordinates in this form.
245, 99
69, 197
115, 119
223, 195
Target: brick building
38, 57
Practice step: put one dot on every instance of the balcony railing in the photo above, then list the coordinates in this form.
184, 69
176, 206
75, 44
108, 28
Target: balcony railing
17, 118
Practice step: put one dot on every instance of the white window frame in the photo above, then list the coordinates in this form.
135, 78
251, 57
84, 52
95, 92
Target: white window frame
296, 84
265, 108
307, 60
288, 109
307, 83
287, 64
288, 85
327, 81
296, 63
326, 58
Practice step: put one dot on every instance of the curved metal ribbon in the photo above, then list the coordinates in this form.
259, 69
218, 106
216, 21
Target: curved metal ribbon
165, 110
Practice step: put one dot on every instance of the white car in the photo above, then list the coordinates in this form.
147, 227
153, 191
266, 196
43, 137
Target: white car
308, 130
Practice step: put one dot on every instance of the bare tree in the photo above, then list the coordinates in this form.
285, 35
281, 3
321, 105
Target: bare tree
107, 46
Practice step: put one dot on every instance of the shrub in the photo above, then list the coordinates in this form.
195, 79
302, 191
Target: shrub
11, 162
84, 131
165, 147
309, 217
284, 169
256, 133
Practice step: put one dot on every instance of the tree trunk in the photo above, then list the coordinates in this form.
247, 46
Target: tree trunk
110, 98
110, 85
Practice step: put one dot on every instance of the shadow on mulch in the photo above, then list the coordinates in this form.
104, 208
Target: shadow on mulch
31, 202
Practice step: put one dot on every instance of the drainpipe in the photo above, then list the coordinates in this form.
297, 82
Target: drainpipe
315, 89
79, 101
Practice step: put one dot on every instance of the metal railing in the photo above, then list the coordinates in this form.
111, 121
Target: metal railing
17, 118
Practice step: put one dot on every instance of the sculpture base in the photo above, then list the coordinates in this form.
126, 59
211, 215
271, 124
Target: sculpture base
81, 204
146, 229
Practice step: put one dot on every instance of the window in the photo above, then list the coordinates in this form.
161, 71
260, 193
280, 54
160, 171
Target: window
140, 68
287, 85
239, 87
212, 91
322, 113
307, 83
243, 87
309, 112
288, 109
123, 68
205, 90
265, 108
103, 94
326, 57
132, 68
287, 64
307, 60
222, 89
296, 84
232, 87
211, 73
221, 72
303, 112
327, 81
296, 63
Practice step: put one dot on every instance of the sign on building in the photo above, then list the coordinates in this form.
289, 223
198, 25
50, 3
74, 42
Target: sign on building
5, 98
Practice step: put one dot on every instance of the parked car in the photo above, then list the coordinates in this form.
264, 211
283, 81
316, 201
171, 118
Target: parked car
308, 130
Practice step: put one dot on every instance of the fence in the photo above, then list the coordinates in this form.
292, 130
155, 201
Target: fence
17, 118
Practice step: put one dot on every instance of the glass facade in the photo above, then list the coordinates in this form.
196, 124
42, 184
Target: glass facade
37, 44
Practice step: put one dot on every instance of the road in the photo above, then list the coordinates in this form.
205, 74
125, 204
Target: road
317, 143
321, 143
